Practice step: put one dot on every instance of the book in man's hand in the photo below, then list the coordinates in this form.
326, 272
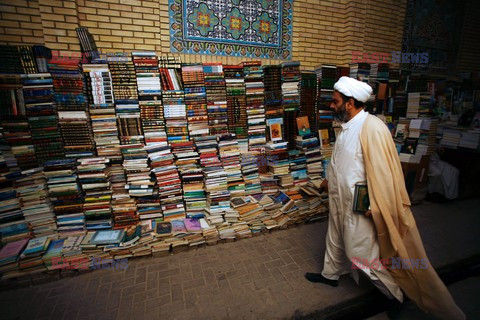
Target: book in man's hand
361, 202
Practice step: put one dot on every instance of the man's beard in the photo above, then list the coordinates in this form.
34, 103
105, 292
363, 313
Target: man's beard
340, 115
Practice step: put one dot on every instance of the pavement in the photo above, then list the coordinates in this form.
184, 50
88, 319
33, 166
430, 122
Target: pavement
256, 278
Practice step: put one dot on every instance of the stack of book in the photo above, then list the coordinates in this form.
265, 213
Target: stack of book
175, 117
135, 163
250, 173
360, 71
99, 83
192, 180
237, 113
216, 98
254, 90
148, 75
124, 80
105, 131
272, 78
92, 175
71, 100
66, 195
36, 207
17, 135
231, 162
308, 143
308, 94
31, 258
170, 75
326, 76
42, 118
195, 99
9, 256
12, 223
290, 99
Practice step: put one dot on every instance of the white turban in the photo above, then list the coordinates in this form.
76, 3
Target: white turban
353, 88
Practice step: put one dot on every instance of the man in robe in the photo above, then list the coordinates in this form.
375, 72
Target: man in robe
365, 153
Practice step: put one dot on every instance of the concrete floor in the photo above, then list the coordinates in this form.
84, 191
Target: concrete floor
256, 278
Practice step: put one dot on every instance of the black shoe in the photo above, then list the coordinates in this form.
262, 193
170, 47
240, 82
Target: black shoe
317, 277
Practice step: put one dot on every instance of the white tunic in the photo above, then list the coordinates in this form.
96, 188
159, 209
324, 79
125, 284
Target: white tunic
351, 235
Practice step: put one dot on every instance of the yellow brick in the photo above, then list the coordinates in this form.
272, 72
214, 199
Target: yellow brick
55, 32
150, 4
150, 16
143, 10
87, 10
74, 47
92, 17
144, 22
109, 26
10, 38
105, 12
145, 35
102, 45
52, 3
151, 29
50, 38
121, 20
132, 2
13, 16
132, 27
122, 33
144, 47
100, 31
71, 19
132, 40
23, 32
44, 9
131, 15
67, 40
18, 3
53, 17
38, 33
110, 39
63, 25
57, 46
28, 25
33, 4
12, 24
89, 24
32, 40
72, 33
7, 8
66, 11
123, 45
28, 11
120, 7
70, 4
96, 4
164, 20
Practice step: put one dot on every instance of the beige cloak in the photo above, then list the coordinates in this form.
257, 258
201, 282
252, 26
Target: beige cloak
396, 229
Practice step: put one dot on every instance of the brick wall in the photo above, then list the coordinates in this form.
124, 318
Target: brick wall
323, 31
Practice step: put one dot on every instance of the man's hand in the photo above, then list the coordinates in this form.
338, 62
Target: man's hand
368, 213
324, 186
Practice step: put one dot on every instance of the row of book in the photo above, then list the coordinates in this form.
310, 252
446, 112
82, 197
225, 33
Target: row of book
250, 215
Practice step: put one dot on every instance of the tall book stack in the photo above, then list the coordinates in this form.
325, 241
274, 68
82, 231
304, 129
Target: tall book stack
71, 101
102, 111
195, 99
342, 72
12, 223
231, 162
272, 78
276, 153
237, 113
308, 143
66, 195
360, 71
124, 80
32, 191
250, 173
93, 177
290, 99
17, 135
215, 178
308, 93
11, 60
255, 105
187, 162
413, 104
148, 75
42, 118
216, 98
326, 76
7, 159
